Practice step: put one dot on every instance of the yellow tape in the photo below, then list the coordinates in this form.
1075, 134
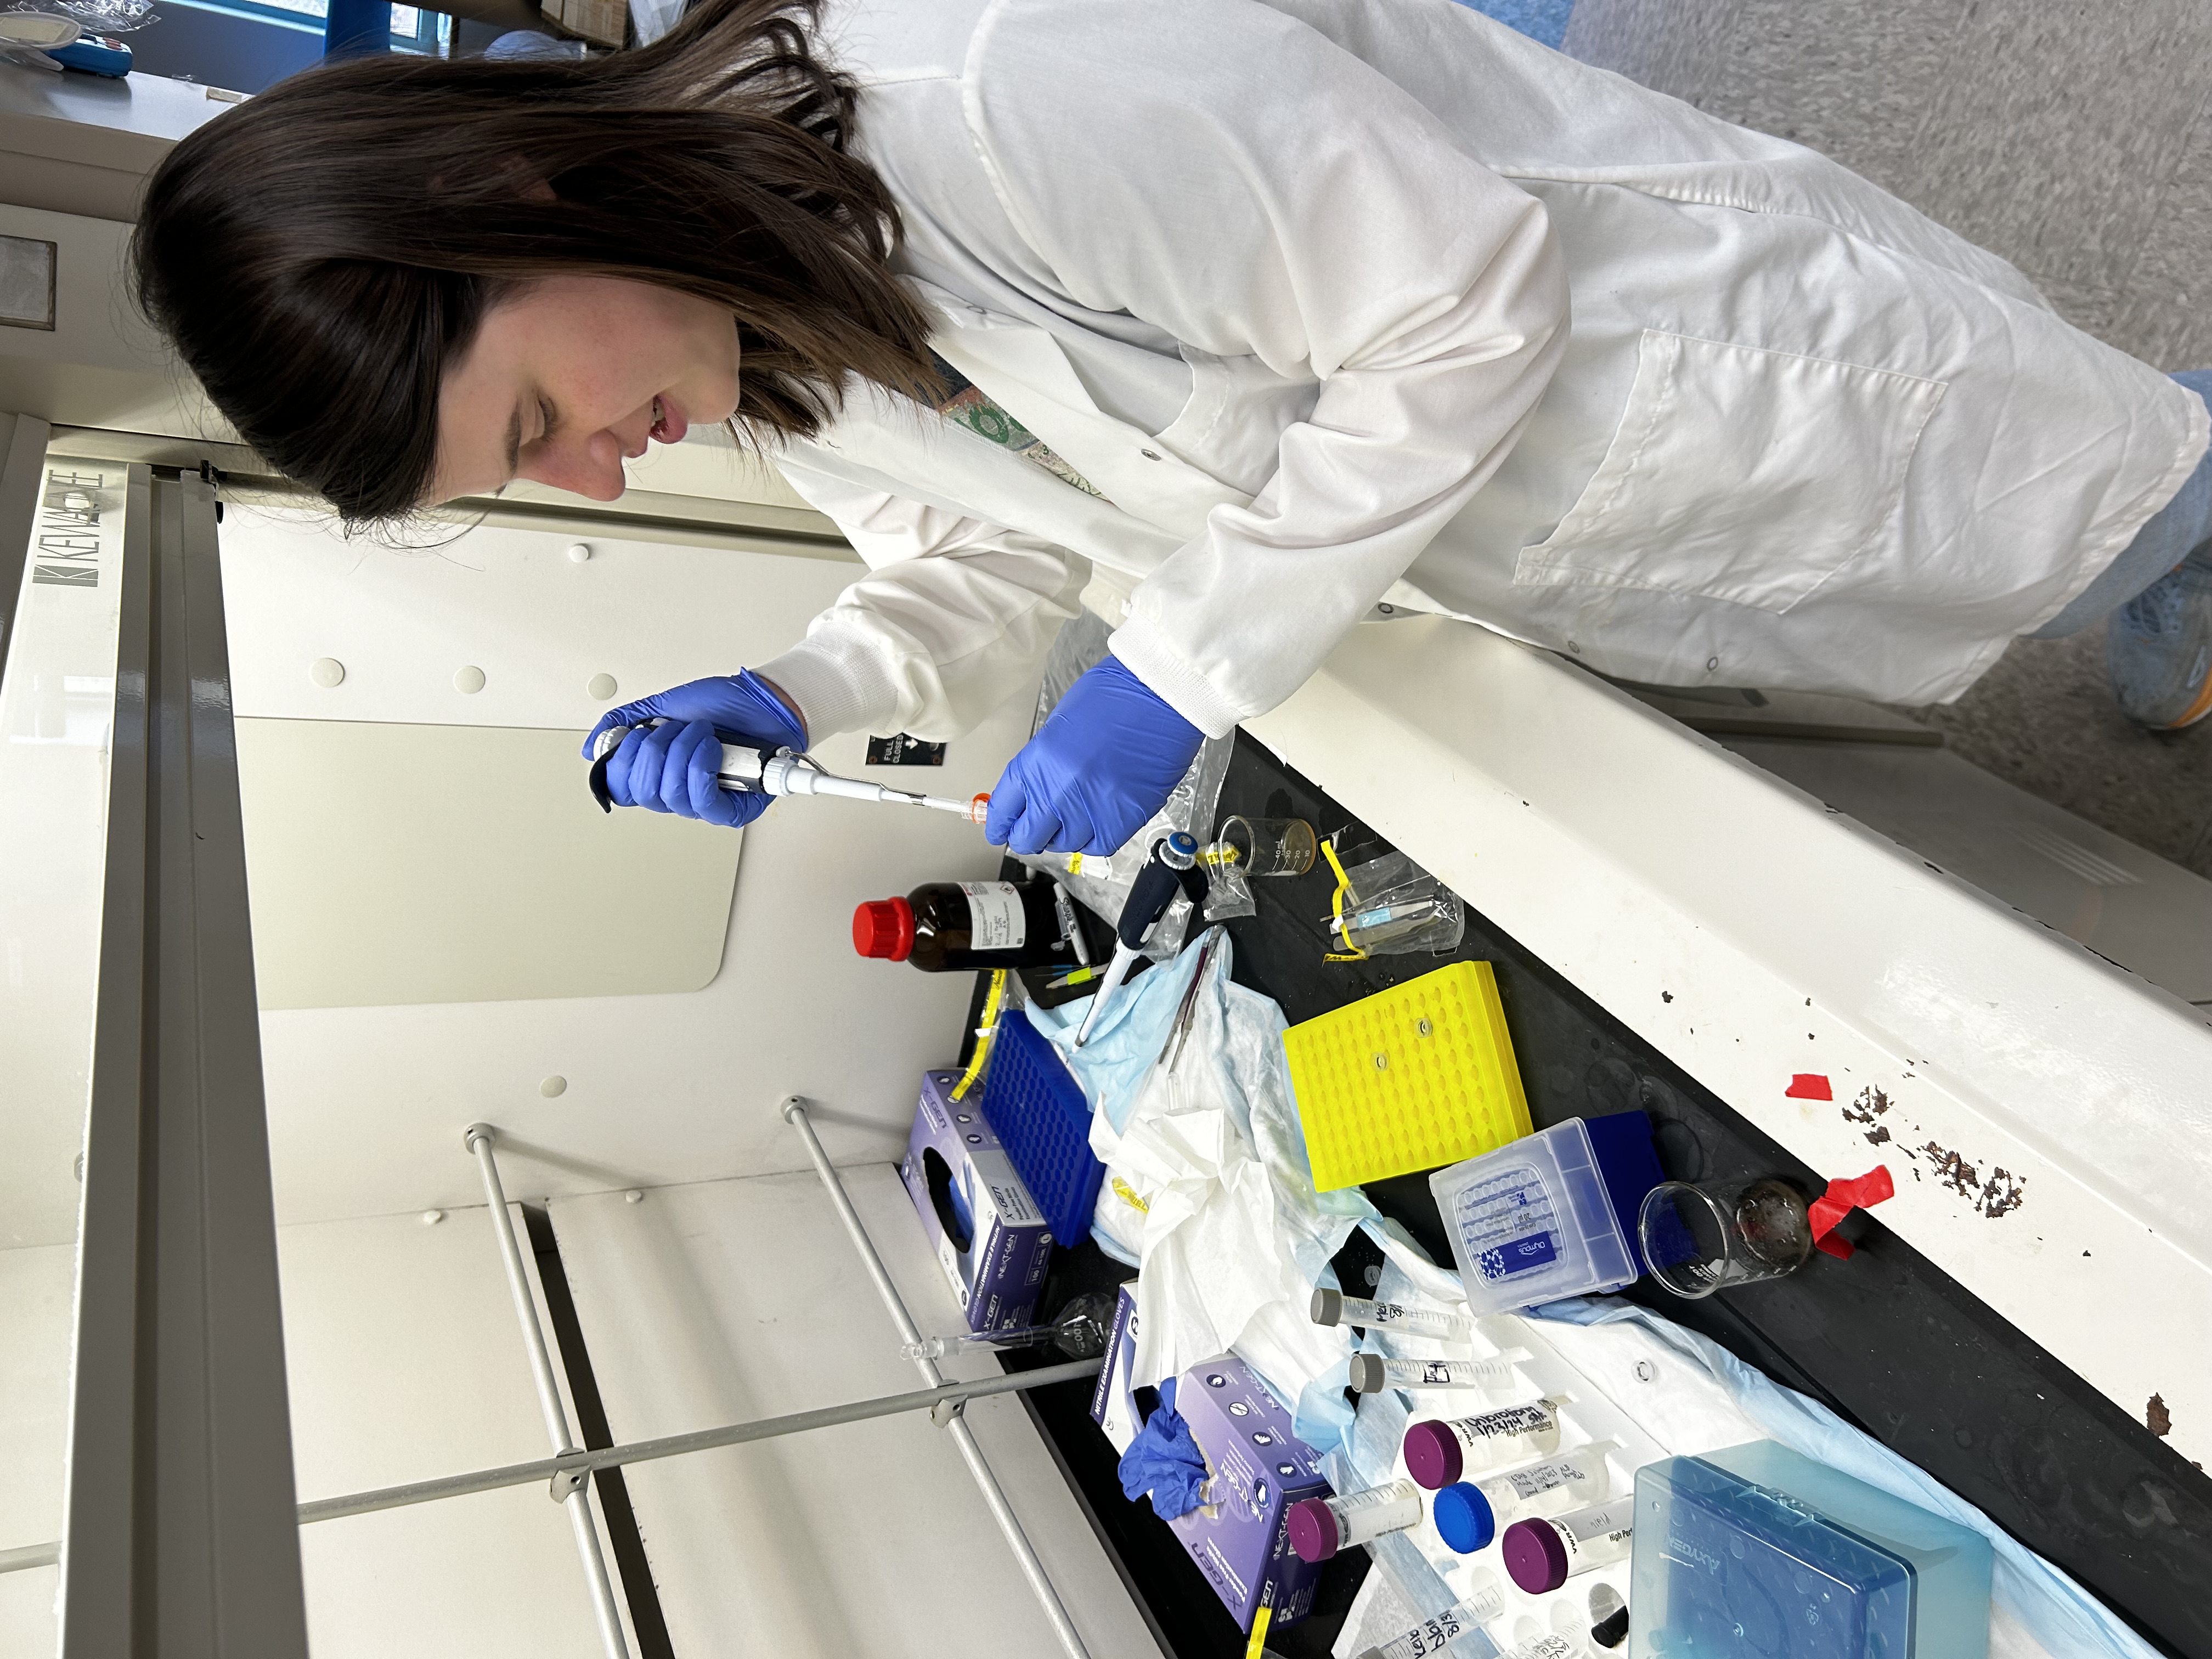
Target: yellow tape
984, 1033
1257, 1645
1335, 906
1123, 1191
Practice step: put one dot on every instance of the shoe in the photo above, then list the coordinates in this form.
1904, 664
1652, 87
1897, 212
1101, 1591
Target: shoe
2158, 648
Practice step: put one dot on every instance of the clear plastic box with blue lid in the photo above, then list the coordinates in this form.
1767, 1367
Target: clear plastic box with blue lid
1550, 1215
1757, 1551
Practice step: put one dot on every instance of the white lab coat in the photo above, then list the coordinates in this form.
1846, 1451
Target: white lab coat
1291, 281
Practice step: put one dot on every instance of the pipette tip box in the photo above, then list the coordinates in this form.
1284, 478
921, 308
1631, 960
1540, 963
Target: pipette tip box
1406, 1080
983, 1226
1550, 1215
1757, 1549
1243, 1545
1042, 1119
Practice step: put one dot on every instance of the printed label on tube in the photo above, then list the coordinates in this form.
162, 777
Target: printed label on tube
1397, 1314
1597, 1536
1447, 1373
1481, 1433
996, 921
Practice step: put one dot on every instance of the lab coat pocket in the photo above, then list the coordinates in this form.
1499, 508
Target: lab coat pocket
1740, 474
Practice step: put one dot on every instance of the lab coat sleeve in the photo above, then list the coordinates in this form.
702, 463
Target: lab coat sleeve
953, 618
1222, 171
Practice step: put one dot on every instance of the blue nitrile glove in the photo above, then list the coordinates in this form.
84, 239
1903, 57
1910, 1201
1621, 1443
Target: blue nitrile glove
1099, 768
1164, 1461
672, 768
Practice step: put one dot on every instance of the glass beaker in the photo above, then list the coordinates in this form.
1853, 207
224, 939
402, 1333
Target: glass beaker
1269, 847
1696, 1240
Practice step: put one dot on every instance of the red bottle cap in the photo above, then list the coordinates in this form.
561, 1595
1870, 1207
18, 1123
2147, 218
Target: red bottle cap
883, 927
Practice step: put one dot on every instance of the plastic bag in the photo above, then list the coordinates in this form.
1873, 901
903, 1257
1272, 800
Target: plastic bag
1208, 1187
1393, 908
98, 16
1103, 883
1228, 890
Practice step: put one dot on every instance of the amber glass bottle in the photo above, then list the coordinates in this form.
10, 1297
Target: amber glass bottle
950, 927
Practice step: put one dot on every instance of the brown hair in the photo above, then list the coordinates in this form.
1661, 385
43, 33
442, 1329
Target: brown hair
320, 255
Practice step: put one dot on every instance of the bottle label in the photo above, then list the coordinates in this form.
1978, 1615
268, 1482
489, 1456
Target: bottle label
996, 921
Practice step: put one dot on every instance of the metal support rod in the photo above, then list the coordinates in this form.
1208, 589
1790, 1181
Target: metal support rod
575, 1463
479, 1137
677, 1445
794, 1113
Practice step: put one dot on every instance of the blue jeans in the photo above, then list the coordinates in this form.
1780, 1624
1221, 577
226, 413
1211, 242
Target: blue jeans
2175, 530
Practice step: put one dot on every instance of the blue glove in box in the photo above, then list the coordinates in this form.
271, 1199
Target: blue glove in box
1759, 1552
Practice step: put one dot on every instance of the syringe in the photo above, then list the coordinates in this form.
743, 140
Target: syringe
747, 770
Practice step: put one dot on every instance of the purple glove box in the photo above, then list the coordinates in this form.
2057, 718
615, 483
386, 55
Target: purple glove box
1111, 1406
1244, 1545
984, 1228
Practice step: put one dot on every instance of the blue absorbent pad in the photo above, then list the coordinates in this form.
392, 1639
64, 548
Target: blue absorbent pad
1039, 1113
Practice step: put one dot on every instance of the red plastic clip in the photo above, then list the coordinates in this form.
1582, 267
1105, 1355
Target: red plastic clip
1840, 1199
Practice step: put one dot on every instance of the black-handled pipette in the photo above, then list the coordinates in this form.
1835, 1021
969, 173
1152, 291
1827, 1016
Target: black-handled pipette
1172, 867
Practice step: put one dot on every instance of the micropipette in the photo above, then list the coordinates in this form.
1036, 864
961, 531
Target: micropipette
1173, 866
748, 770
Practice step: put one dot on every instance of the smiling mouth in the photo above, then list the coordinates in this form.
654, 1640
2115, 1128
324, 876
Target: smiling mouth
669, 425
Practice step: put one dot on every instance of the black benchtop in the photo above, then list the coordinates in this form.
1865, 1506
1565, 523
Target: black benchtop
1888, 1340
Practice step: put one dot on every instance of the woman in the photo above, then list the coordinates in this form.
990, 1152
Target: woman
1231, 319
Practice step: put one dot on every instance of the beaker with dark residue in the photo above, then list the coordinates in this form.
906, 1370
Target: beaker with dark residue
1696, 1240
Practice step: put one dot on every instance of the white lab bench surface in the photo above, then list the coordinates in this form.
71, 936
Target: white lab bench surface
727, 1301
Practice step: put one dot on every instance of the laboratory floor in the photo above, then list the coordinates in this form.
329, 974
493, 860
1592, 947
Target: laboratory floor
2076, 140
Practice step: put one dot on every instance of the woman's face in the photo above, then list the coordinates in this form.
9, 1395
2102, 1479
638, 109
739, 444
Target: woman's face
569, 375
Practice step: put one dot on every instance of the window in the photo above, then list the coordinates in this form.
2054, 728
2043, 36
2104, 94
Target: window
27, 283
412, 29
